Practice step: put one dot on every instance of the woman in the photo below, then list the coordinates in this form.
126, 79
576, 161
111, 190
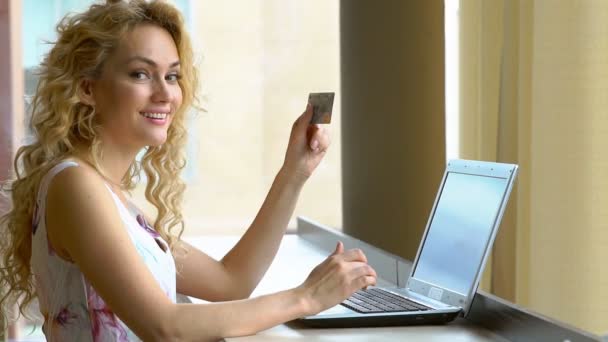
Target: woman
119, 80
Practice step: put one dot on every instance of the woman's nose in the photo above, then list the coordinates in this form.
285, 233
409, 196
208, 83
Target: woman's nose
162, 91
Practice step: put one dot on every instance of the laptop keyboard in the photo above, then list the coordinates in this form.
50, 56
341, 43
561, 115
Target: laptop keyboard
375, 300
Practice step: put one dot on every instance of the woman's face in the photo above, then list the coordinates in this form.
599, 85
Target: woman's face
138, 93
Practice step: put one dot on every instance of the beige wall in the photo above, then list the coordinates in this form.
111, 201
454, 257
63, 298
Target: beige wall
393, 149
259, 60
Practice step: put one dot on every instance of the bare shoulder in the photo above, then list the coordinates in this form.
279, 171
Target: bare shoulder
74, 188
72, 178
77, 203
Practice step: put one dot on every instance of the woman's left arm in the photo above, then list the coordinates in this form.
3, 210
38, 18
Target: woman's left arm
241, 269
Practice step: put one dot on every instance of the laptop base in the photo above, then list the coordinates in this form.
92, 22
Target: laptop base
361, 321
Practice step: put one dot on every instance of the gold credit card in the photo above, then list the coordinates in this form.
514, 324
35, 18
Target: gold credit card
322, 104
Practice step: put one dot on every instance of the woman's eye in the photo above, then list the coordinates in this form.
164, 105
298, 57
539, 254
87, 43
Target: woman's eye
173, 77
139, 75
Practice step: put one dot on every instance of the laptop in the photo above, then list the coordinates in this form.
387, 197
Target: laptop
450, 260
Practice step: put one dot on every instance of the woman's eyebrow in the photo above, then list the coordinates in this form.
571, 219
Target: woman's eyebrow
149, 61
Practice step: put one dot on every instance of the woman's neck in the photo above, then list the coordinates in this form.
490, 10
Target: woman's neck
114, 163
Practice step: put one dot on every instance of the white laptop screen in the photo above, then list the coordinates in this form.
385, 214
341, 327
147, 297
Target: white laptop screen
460, 229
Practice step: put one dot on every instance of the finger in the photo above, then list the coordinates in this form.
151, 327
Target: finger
365, 281
355, 255
339, 248
363, 269
312, 133
319, 140
303, 120
308, 113
356, 269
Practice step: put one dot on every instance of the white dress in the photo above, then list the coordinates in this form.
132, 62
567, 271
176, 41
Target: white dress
72, 309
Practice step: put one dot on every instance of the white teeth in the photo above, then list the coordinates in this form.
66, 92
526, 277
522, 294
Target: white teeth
155, 115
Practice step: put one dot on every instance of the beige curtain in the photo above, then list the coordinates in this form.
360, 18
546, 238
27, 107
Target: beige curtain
534, 90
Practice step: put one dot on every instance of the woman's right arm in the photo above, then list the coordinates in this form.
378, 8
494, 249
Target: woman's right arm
84, 225
330, 283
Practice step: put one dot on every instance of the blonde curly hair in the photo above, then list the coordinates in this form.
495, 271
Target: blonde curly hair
60, 122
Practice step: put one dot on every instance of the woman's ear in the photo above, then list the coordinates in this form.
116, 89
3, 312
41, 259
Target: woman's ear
85, 92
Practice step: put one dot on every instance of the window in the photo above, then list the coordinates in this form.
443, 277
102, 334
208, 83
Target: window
258, 62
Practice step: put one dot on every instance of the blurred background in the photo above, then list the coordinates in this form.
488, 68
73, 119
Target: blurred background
258, 61
417, 83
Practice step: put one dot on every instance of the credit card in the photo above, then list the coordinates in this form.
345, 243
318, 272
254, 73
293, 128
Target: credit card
322, 104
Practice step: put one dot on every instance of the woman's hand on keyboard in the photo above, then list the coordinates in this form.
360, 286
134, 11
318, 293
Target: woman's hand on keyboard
337, 278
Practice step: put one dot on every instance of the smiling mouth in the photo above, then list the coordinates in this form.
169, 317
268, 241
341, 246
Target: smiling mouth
155, 116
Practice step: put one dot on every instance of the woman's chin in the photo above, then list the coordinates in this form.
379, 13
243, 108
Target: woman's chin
157, 141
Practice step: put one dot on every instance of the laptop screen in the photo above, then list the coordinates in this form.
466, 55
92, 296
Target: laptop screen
468, 206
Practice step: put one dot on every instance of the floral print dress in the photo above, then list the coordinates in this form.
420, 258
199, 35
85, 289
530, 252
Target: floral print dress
72, 308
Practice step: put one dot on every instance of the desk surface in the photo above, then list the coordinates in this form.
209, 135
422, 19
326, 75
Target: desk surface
295, 259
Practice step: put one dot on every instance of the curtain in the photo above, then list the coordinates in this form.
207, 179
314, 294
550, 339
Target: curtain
533, 91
